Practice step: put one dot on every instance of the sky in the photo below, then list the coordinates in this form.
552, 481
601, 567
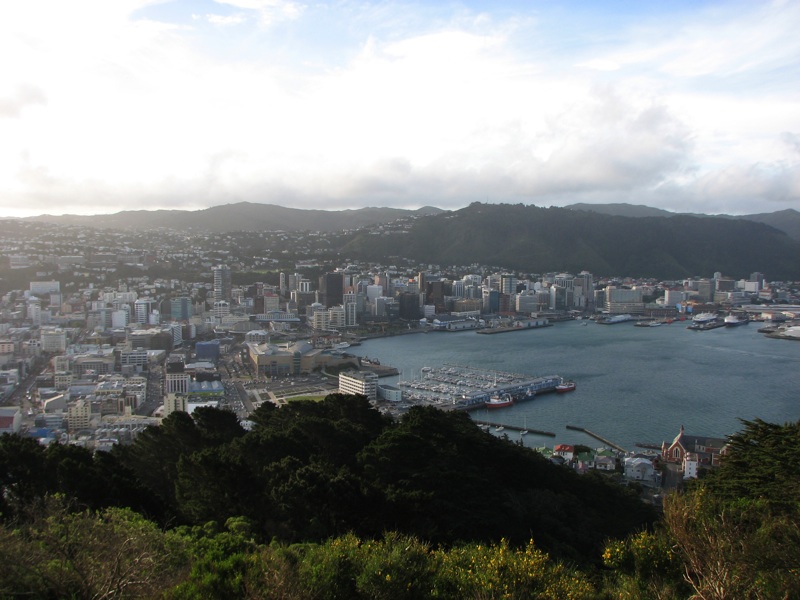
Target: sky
688, 106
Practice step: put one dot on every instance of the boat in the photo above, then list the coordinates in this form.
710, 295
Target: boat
341, 346
524, 427
703, 318
565, 386
733, 320
497, 401
655, 323
616, 319
499, 428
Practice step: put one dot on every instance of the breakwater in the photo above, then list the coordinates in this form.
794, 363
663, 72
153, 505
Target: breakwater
597, 437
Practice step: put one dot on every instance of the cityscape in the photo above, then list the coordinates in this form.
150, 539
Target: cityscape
106, 335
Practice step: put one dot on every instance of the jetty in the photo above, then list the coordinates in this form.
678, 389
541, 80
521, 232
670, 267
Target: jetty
597, 437
515, 428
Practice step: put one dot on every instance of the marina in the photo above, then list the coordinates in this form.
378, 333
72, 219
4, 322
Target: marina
462, 387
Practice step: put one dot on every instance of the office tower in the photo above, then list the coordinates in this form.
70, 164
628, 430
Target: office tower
222, 283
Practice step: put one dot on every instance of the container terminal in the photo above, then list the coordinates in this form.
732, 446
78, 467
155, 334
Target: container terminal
458, 387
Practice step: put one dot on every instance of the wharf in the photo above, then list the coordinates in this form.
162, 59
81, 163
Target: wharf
379, 370
597, 437
515, 428
506, 329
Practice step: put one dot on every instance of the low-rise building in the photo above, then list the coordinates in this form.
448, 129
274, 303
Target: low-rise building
360, 383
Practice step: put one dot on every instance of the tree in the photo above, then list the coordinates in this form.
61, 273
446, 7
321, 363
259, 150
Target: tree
111, 554
737, 549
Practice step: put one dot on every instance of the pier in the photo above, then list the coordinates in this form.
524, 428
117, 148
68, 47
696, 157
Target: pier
597, 437
515, 428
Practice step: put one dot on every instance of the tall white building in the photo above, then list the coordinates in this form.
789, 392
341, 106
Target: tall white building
143, 307
222, 283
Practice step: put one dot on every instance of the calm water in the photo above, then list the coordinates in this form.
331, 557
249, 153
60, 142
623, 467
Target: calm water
635, 384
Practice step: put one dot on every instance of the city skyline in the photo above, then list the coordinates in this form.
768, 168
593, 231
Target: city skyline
688, 107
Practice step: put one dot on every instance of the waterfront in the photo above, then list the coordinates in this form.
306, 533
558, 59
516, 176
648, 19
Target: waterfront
634, 384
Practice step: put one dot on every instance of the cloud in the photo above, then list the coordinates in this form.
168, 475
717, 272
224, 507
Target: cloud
22, 96
222, 20
341, 104
268, 11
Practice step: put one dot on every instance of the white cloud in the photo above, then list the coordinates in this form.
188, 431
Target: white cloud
225, 20
269, 11
425, 110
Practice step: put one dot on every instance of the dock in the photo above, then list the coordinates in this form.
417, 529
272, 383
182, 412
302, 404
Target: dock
515, 428
597, 437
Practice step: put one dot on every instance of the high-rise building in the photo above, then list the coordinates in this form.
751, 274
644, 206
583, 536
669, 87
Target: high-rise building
222, 283
180, 308
332, 288
508, 284
623, 300
758, 278
143, 307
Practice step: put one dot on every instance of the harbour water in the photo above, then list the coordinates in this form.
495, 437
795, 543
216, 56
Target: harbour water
635, 384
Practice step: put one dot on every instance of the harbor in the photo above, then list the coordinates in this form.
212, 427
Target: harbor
628, 383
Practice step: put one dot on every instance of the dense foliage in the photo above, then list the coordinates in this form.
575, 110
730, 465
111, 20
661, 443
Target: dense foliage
334, 500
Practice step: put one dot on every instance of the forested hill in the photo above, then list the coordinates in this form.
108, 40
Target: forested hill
787, 220
536, 240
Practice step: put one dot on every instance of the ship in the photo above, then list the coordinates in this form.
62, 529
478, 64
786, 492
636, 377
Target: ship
735, 320
498, 401
704, 318
565, 386
615, 319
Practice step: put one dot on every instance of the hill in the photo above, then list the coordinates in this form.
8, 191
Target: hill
787, 220
536, 240
242, 216
621, 209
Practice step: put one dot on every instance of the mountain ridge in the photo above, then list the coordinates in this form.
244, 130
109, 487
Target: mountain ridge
254, 216
786, 220
539, 240
241, 216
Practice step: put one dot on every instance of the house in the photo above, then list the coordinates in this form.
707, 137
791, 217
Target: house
566, 451
707, 449
639, 468
605, 460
